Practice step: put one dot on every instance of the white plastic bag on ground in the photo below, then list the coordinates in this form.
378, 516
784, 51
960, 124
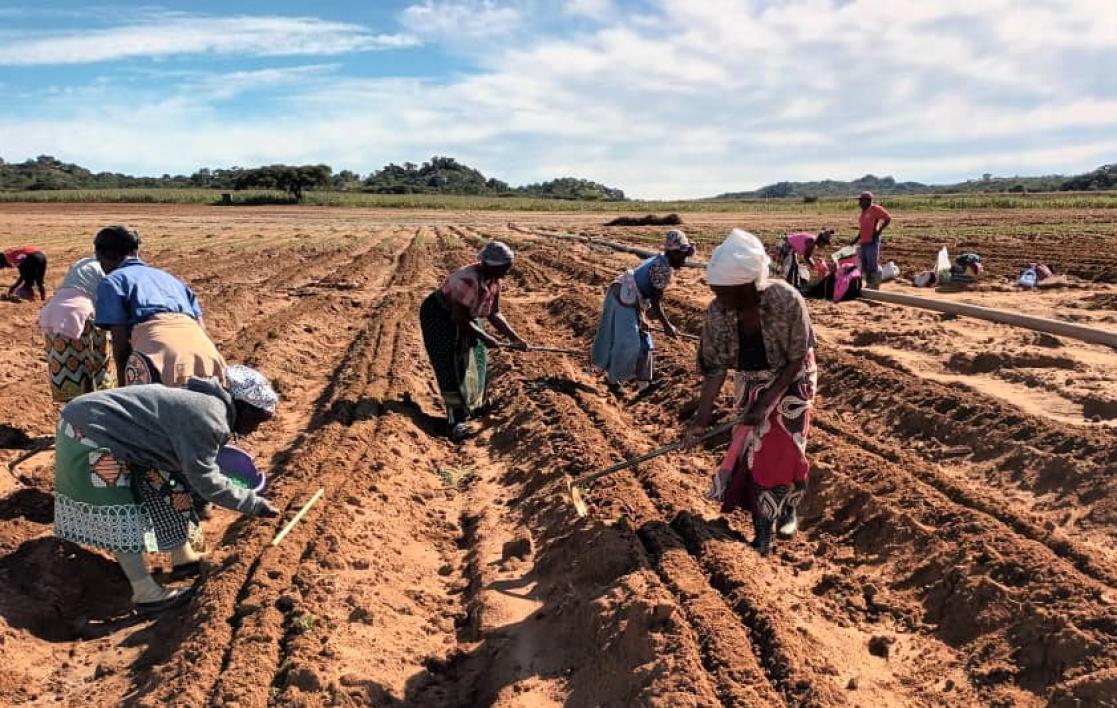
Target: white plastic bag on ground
889, 271
942, 266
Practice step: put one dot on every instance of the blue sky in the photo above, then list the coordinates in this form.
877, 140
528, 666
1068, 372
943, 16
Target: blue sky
663, 98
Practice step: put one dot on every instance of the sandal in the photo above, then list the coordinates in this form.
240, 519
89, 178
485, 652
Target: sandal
461, 431
645, 387
185, 571
174, 598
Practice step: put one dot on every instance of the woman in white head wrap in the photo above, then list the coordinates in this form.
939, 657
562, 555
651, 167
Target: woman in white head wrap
455, 340
130, 461
77, 351
623, 346
761, 329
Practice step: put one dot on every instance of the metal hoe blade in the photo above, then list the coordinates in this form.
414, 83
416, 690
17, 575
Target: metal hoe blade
577, 499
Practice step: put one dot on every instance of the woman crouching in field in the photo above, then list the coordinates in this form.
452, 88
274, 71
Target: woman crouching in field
761, 329
455, 340
32, 266
77, 351
129, 461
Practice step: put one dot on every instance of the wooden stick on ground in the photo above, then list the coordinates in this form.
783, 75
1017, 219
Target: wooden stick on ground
298, 517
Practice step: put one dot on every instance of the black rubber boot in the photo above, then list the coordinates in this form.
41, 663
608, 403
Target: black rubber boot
763, 541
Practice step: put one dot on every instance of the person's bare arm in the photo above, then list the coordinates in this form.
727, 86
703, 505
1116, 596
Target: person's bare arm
461, 317
657, 311
497, 320
121, 350
711, 387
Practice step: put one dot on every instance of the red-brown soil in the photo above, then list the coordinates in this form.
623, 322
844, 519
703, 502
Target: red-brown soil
957, 540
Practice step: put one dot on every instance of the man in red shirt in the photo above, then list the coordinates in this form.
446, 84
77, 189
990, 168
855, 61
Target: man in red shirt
873, 221
32, 265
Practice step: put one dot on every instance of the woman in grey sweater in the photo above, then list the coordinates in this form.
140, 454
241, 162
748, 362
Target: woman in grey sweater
130, 460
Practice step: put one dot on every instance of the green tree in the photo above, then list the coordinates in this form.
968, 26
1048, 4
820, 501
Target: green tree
346, 180
292, 179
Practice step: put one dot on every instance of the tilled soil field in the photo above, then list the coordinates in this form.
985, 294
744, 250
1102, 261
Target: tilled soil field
957, 544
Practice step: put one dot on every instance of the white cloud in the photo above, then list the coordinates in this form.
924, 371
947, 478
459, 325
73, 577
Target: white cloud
460, 20
210, 87
177, 34
685, 99
595, 9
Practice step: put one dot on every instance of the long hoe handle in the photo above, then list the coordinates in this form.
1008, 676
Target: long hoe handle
683, 335
553, 350
547, 350
713, 432
27, 456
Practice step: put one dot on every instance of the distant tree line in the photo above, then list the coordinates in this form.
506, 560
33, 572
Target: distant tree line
1103, 178
447, 175
439, 175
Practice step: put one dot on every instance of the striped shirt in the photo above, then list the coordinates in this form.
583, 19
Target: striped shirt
466, 288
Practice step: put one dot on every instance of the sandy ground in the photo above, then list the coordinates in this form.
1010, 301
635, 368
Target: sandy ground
957, 544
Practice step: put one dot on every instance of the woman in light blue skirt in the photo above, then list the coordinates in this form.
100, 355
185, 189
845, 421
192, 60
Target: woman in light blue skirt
623, 346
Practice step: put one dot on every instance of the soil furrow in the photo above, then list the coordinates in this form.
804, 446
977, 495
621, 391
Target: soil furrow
955, 546
253, 616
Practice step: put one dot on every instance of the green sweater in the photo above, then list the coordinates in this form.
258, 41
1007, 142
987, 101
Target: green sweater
170, 429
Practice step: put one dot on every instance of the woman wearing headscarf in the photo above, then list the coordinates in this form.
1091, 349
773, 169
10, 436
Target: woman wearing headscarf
796, 246
623, 346
129, 461
759, 328
77, 351
154, 318
455, 340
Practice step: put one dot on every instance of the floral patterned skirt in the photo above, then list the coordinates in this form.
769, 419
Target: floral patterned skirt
78, 366
767, 463
102, 501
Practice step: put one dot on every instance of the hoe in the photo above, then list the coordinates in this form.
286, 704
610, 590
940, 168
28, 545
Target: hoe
576, 486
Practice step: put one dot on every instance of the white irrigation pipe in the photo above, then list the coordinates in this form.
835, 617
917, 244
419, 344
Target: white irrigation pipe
1039, 324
